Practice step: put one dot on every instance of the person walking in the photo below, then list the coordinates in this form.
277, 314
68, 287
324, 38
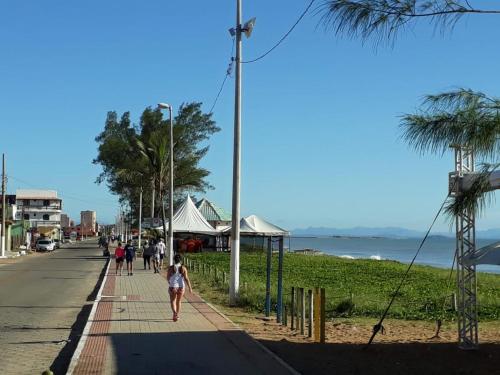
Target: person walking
129, 257
146, 255
177, 276
156, 257
119, 257
162, 253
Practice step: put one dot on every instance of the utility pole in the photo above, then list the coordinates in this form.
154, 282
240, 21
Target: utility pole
234, 285
140, 218
153, 192
3, 209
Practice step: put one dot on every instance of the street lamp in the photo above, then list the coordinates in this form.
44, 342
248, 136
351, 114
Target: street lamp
170, 240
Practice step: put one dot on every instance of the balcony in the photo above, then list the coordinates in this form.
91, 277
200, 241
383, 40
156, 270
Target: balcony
44, 223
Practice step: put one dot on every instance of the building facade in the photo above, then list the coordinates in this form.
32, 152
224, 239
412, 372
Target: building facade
41, 209
88, 223
65, 221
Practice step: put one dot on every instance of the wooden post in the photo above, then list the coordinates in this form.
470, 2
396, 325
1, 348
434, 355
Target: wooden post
224, 277
292, 308
215, 274
297, 309
285, 316
302, 310
323, 317
316, 314
454, 301
310, 317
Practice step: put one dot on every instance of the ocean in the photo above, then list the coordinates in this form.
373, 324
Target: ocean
437, 251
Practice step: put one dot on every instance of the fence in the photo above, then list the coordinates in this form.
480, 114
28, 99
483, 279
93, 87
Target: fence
312, 311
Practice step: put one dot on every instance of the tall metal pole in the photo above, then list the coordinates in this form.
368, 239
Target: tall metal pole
140, 218
234, 285
171, 194
467, 318
3, 208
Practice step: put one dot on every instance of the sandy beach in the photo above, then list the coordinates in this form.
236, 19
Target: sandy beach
407, 347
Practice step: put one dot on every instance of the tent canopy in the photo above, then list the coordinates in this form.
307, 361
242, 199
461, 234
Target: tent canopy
255, 226
188, 219
486, 255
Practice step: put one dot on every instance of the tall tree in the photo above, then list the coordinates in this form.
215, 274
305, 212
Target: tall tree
134, 156
383, 19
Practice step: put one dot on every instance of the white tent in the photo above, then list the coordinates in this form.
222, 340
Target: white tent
188, 219
486, 255
256, 226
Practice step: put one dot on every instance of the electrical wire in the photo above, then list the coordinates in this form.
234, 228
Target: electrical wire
283, 37
65, 195
377, 327
228, 73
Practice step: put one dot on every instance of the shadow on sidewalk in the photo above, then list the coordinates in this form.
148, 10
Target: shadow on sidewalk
385, 359
213, 352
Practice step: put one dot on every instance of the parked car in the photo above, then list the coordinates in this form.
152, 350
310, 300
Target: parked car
57, 243
45, 245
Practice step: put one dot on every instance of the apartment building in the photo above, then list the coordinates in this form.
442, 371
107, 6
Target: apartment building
88, 223
42, 208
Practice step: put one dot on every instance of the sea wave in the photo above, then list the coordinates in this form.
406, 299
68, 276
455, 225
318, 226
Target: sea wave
375, 257
346, 257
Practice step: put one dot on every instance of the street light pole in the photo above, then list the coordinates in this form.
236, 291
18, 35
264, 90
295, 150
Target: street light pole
140, 218
234, 285
170, 240
2, 255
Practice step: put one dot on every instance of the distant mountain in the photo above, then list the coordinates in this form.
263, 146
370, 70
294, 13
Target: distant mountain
389, 232
357, 232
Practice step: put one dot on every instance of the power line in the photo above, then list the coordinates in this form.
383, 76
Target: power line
283, 37
228, 73
65, 195
377, 327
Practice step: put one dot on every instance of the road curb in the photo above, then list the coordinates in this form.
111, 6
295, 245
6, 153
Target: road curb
86, 330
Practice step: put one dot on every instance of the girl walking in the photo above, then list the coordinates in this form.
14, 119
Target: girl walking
177, 277
119, 256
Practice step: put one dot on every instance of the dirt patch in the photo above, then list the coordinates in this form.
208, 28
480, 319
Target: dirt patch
406, 347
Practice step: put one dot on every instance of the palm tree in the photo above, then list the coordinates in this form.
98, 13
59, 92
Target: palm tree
465, 118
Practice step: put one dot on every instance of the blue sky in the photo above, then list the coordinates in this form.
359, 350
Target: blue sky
320, 129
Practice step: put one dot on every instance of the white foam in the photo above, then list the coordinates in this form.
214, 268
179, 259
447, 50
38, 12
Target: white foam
346, 257
375, 257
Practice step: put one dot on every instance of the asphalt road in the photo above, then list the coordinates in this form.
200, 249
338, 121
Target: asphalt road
45, 300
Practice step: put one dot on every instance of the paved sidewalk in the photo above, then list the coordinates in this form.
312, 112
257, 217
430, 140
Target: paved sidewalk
132, 332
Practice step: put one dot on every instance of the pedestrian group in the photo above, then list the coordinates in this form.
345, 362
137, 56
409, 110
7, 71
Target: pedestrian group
154, 251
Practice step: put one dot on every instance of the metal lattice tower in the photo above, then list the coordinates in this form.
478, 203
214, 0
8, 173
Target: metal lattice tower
466, 245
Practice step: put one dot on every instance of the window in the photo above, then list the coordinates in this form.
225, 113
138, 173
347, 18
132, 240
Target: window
26, 202
46, 217
26, 216
46, 202
34, 214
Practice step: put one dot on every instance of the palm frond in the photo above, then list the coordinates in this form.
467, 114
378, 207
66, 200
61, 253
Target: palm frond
460, 117
384, 19
477, 197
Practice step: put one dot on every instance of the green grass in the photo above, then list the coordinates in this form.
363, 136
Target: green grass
357, 288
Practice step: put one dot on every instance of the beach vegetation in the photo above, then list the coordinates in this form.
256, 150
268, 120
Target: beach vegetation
354, 288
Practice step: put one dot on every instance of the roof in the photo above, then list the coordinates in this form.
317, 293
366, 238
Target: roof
486, 255
36, 194
254, 225
212, 212
188, 219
